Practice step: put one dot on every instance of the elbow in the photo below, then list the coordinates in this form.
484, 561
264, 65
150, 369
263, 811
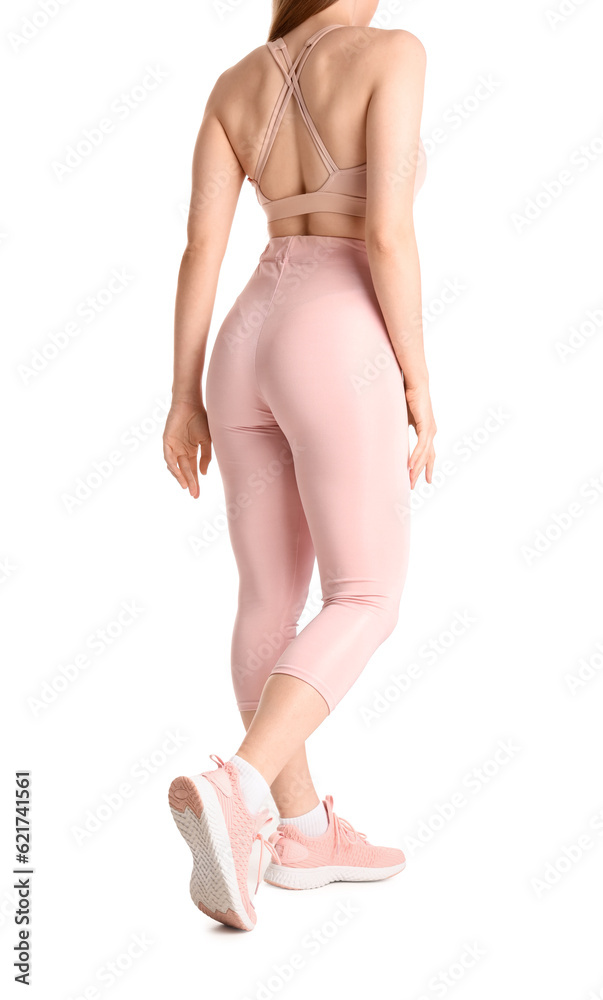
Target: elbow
195, 247
202, 255
389, 243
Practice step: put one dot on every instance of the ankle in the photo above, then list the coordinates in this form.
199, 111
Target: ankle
254, 787
295, 805
258, 760
313, 823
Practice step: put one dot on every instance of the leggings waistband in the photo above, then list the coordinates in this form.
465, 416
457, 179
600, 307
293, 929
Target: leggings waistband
313, 249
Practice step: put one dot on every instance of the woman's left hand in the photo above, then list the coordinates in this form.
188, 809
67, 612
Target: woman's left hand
187, 430
420, 416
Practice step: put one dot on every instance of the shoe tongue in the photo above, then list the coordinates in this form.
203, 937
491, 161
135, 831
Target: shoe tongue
262, 818
328, 804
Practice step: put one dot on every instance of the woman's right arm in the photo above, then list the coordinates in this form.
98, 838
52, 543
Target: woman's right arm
217, 179
392, 139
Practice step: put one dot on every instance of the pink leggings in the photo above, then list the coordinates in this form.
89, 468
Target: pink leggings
307, 413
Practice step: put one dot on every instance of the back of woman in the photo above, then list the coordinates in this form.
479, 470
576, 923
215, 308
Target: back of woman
315, 375
341, 68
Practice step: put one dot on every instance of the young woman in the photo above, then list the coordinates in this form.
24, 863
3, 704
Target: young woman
315, 375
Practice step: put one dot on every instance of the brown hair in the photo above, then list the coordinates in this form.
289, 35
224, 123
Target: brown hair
288, 14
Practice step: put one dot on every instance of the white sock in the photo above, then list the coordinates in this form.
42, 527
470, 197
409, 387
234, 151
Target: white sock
312, 823
254, 787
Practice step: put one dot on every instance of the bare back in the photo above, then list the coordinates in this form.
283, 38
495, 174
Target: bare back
337, 80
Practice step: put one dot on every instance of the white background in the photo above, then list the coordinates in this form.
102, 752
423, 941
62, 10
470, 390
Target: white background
496, 871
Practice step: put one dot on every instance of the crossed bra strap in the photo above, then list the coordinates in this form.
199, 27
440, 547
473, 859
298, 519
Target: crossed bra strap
291, 86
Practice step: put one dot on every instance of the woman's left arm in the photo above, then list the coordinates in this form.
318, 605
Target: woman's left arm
217, 179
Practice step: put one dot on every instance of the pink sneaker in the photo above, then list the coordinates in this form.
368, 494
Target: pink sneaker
230, 852
341, 854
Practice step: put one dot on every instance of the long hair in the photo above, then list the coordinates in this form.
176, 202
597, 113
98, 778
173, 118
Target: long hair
287, 14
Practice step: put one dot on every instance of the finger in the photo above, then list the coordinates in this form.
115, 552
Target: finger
416, 472
415, 454
424, 443
418, 455
418, 463
429, 466
205, 456
172, 465
189, 473
181, 481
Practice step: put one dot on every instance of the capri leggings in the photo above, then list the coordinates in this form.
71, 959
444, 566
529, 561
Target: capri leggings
307, 413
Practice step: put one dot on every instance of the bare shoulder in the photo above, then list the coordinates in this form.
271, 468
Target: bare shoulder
242, 74
381, 51
397, 43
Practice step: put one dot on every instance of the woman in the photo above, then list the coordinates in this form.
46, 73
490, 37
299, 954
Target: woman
308, 412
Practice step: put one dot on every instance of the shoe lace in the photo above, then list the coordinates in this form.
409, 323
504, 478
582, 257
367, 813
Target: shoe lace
264, 817
342, 830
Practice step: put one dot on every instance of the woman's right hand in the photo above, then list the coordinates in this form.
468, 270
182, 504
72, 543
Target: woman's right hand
187, 430
420, 416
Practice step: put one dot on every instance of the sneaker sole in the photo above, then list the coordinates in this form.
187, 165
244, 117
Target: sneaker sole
314, 878
214, 887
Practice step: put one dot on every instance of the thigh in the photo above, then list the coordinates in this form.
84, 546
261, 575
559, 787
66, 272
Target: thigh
267, 524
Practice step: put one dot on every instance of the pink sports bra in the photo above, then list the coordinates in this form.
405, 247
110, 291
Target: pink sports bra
344, 190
